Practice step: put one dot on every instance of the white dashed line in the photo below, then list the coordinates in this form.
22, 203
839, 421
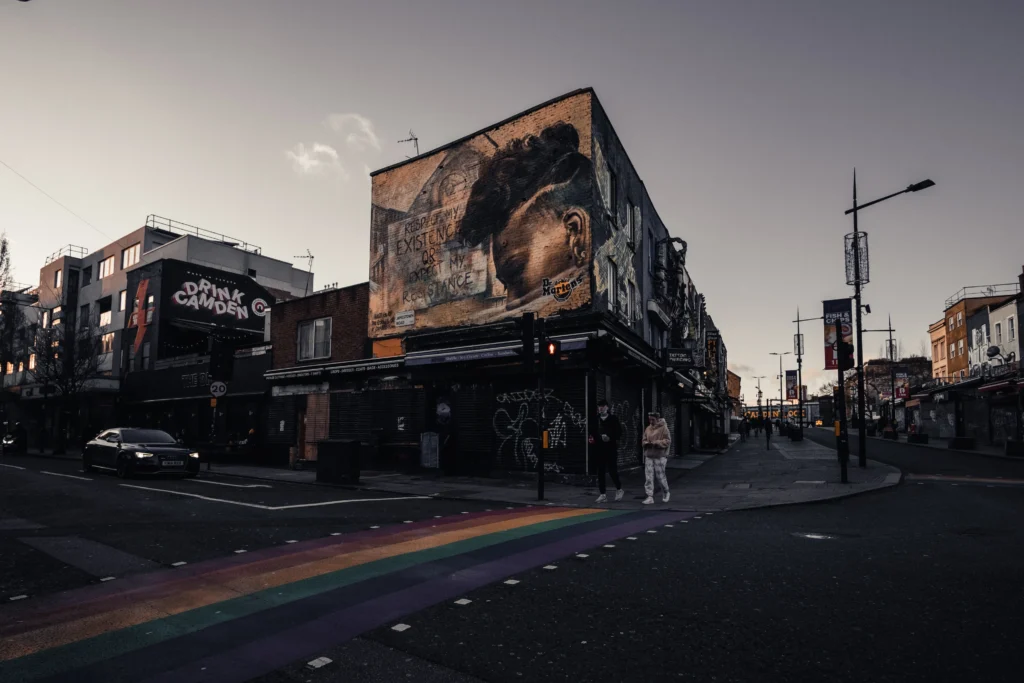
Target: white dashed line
463, 513
338, 533
234, 486
550, 566
609, 545
630, 538
401, 627
17, 597
651, 531
375, 526
684, 521
178, 564
582, 556
462, 601
670, 526
709, 513
319, 662
511, 582
291, 541
68, 476
16, 467
239, 552
437, 516
408, 521
108, 578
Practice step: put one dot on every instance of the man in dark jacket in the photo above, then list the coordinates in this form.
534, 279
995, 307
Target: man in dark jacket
605, 433
768, 434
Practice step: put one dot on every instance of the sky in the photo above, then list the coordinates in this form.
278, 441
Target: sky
745, 120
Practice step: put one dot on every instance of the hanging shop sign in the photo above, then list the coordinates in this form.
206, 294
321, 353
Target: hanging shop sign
791, 385
838, 315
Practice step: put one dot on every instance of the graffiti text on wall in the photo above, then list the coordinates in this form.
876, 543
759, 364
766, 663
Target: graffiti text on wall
519, 436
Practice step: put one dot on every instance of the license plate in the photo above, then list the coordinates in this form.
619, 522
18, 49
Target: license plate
173, 463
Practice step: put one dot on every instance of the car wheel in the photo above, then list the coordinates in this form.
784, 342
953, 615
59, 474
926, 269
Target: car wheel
123, 469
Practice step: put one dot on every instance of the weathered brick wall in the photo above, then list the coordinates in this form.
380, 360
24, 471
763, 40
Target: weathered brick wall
348, 309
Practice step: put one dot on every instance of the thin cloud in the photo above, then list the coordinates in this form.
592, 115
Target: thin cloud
315, 159
358, 130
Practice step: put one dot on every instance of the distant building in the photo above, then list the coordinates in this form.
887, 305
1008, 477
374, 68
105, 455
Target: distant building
940, 353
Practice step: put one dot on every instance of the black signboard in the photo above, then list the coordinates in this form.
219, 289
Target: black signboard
214, 297
679, 359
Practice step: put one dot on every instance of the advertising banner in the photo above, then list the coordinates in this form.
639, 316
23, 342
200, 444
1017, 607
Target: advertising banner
902, 384
838, 325
213, 297
791, 385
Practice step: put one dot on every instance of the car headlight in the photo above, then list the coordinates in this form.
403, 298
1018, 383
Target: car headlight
143, 455
193, 455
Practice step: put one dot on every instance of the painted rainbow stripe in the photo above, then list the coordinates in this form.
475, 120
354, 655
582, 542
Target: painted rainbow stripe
245, 615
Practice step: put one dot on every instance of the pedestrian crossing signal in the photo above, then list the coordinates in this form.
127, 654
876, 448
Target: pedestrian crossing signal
553, 349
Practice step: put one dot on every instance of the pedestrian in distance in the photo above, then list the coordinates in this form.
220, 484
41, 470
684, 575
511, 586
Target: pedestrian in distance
605, 433
768, 434
656, 443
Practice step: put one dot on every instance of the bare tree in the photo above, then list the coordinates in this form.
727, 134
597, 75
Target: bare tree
65, 358
5, 263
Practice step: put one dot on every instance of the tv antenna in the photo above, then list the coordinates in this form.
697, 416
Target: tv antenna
308, 257
414, 140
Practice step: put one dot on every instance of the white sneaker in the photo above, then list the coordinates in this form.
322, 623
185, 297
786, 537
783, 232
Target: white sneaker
648, 500
664, 499
619, 494
602, 499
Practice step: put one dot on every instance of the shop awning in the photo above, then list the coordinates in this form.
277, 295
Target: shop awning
342, 368
461, 354
1006, 384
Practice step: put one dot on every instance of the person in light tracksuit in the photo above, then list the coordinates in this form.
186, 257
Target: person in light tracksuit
656, 444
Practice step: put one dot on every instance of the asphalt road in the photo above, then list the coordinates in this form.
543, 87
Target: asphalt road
917, 583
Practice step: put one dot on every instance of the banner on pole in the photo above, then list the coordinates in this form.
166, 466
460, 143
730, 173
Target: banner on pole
791, 385
838, 315
902, 383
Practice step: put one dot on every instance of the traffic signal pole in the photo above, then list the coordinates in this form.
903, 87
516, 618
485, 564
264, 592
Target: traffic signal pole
542, 340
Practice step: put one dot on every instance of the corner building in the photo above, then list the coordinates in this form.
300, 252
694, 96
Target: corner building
542, 213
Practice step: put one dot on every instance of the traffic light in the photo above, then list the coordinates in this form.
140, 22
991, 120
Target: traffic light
845, 356
552, 351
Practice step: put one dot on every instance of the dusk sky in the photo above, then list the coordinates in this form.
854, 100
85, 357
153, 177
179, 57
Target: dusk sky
745, 120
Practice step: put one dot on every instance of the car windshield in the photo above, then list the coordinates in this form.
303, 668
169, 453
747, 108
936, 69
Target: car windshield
146, 436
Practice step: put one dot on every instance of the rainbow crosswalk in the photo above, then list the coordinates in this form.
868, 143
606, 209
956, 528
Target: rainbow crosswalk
242, 616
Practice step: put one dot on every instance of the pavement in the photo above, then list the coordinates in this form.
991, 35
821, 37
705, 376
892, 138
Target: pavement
746, 475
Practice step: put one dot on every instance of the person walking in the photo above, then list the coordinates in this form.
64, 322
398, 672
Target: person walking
604, 438
656, 443
768, 434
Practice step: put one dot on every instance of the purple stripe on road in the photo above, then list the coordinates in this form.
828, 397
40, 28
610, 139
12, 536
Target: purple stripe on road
275, 651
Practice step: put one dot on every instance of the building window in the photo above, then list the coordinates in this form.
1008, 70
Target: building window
46, 320
107, 343
315, 339
950, 324
10, 368
652, 254
32, 362
130, 256
58, 279
999, 333
122, 300
1011, 329
150, 302
83, 315
145, 356
21, 366
634, 303
86, 275
613, 286
107, 267
952, 351
105, 314
960, 347
630, 226
959, 319
56, 315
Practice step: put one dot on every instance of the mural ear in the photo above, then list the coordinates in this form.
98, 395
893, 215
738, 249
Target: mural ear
577, 224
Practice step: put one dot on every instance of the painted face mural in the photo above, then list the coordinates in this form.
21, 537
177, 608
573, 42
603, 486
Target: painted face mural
490, 228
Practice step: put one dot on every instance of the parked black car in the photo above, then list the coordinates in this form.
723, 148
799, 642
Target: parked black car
16, 440
130, 451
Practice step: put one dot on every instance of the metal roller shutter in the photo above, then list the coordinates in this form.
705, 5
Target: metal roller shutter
472, 432
281, 422
626, 403
350, 416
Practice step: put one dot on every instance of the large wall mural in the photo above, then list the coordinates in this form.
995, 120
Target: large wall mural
492, 227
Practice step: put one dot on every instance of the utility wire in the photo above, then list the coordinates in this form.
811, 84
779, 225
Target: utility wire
54, 199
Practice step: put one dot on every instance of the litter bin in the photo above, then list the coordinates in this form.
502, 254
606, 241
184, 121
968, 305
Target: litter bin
338, 461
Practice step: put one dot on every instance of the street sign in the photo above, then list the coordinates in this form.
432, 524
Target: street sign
218, 389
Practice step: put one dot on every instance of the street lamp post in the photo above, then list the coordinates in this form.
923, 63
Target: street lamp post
861, 427
781, 378
798, 344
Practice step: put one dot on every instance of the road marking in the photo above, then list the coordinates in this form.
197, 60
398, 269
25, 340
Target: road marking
337, 533
651, 531
630, 538
401, 627
108, 578
236, 486
319, 662
17, 597
511, 582
375, 526
949, 478
178, 564
670, 526
609, 545
291, 541
408, 521
69, 476
15, 467
812, 482
240, 551
463, 601
268, 507
550, 566
582, 556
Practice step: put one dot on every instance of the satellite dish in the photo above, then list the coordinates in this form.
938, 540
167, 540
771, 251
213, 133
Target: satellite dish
993, 351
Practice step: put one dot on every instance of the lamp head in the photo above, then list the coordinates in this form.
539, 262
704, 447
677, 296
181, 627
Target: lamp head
923, 185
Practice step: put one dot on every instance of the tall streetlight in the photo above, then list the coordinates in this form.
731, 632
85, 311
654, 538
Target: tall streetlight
858, 280
760, 415
780, 355
798, 348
